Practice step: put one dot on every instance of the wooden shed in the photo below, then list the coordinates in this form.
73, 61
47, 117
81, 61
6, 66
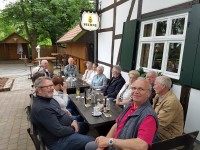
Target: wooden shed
14, 47
79, 44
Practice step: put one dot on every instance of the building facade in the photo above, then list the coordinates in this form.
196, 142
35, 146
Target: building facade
155, 35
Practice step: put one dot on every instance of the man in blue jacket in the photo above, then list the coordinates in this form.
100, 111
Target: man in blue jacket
54, 125
115, 84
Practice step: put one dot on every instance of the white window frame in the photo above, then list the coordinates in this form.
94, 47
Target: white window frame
167, 39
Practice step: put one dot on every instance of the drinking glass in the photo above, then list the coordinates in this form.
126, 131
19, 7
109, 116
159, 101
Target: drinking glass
108, 106
88, 101
77, 91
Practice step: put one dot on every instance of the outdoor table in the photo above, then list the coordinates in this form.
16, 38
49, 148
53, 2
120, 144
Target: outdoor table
101, 123
71, 89
50, 67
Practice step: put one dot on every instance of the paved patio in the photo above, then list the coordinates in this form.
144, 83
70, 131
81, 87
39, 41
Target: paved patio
13, 121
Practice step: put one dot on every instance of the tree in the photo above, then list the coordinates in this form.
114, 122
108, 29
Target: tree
40, 20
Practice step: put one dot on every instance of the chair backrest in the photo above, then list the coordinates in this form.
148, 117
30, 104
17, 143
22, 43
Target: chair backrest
184, 142
32, 131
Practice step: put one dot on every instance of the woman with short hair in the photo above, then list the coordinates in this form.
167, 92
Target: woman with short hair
124, 95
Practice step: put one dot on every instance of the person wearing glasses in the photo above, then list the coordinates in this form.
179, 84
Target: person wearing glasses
56, 128
136, 126
124, 95
168, 109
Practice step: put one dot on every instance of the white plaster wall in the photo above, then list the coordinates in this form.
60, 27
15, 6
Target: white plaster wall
107, 19
121, 16
105, 3
125, 75
104, 47
192, 120
135, 9
176, 89
116, 50
153, 5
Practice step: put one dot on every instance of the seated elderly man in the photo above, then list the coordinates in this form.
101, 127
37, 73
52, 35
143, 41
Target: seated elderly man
55, 127
99, 81
168, 109
70, 69
135, 127
88, 75
115, 84
151, 77
124, 95
43, 68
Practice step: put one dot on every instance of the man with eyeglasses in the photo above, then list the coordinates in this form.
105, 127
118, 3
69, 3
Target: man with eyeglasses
55, 127
135, 127
168, 109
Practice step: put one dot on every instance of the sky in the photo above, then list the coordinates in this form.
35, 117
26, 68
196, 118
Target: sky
4, 2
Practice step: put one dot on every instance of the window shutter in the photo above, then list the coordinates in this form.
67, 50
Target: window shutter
190, 70
129, 45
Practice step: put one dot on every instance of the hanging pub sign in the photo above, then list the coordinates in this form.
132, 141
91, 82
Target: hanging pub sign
90, 20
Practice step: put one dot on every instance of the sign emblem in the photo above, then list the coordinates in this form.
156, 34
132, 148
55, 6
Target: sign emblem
90, 21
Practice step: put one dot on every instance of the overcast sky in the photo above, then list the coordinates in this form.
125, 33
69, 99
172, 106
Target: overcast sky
4, 2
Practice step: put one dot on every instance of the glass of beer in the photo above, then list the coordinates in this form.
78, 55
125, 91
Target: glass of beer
77, 91
107, 106
88, 101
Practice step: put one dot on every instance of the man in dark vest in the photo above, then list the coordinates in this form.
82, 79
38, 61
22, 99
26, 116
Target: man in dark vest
135, 127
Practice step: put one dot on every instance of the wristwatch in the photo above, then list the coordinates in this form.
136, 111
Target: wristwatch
111, 141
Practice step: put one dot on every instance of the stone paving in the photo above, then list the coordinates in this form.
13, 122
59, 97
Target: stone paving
13, 119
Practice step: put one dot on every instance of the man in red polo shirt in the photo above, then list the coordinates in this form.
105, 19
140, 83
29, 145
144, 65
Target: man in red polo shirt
135, 127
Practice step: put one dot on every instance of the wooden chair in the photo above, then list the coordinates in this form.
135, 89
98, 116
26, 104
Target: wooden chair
183, 142
33, 132
37, 140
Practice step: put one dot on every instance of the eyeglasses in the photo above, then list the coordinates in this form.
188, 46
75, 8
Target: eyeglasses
48, 86
138, 89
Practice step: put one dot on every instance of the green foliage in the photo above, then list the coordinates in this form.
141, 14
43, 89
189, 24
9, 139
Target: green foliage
5, 29
142, 73
42, 20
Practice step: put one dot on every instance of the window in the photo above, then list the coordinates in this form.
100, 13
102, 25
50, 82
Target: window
161, 44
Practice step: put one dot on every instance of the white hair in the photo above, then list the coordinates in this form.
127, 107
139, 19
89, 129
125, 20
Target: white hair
101, 67
165, 81
117, 68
